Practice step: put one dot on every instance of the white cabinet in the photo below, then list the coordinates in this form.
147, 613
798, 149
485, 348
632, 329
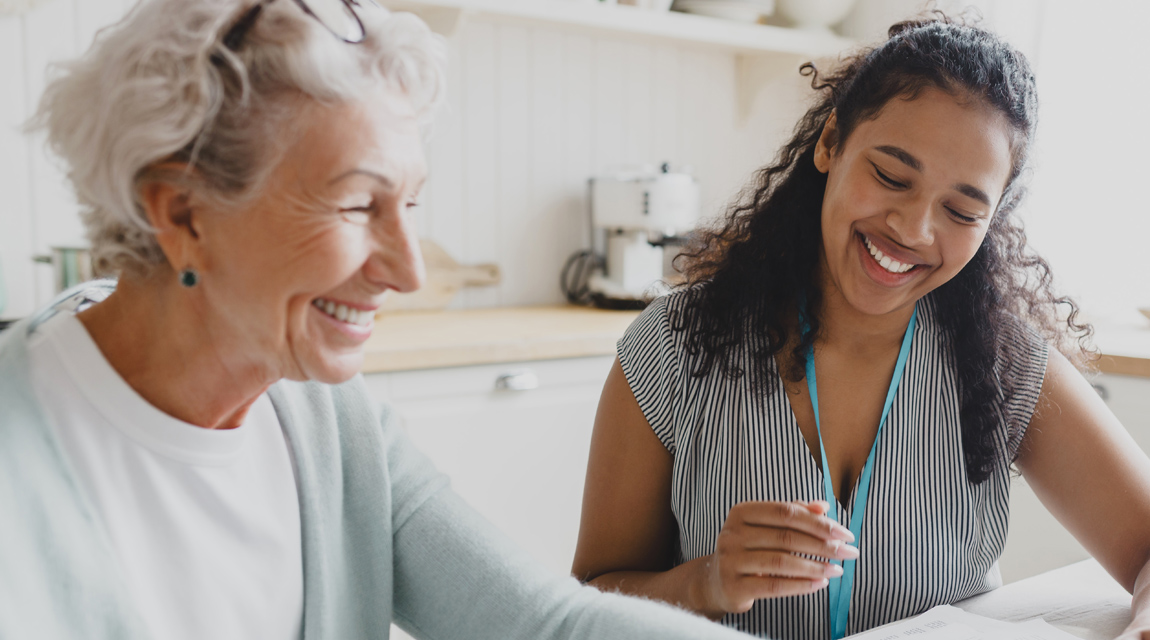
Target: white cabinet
1037, 542
518, 456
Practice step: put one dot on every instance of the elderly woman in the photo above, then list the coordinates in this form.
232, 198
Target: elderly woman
194, 455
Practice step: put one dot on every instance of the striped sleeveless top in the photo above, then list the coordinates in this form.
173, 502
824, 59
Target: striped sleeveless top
929, 537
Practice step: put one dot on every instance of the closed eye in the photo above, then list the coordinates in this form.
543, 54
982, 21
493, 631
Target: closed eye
960, 217
359, 215
889, 181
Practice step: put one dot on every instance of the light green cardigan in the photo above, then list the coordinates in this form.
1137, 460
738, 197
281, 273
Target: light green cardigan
384, 538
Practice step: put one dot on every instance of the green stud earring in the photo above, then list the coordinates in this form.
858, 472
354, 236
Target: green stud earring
189, 278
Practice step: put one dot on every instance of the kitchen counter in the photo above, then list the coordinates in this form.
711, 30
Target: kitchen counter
428, 340
1125, 346
406, 341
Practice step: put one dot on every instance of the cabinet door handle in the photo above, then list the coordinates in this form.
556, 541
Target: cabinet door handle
517, 381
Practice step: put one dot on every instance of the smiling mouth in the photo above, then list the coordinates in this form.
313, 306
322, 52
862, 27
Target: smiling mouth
344, 313
888, 264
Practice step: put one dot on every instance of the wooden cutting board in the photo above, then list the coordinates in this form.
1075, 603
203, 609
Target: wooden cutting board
445, 277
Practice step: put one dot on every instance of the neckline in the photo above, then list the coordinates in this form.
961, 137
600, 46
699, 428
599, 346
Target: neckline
810, 460
126, 411
844, 503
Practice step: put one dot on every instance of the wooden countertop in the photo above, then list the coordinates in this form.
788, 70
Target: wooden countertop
1125, 345
406, 341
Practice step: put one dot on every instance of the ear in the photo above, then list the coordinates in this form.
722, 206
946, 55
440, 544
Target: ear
828, 141
169, 209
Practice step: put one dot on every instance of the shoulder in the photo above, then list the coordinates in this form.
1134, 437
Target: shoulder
662, 327
671, 314
1023, 354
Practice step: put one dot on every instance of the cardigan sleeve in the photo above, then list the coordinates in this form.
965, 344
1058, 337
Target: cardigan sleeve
456, 576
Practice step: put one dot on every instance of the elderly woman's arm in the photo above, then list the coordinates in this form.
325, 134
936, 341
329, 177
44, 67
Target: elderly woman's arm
457, 576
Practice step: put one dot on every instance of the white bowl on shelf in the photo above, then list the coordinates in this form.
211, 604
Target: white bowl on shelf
736, 10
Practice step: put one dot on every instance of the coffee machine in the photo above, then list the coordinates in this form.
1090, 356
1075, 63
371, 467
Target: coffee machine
635, 214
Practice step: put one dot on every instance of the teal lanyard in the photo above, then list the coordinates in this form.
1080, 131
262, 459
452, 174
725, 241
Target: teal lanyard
839, 589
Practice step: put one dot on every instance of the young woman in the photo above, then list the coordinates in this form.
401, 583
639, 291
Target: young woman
815, 435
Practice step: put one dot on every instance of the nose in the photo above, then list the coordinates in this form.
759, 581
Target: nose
913, 223
396, 259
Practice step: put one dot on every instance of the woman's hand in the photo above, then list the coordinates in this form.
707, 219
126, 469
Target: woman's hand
1134, 634
1139, 627
629, 536
759, 554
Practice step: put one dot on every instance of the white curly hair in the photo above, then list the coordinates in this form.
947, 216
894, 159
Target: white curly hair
160, 87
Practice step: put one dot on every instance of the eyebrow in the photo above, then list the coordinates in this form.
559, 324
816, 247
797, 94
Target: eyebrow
364, 172
903, 156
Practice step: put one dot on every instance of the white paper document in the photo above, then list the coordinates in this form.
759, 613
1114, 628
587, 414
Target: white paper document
949, 623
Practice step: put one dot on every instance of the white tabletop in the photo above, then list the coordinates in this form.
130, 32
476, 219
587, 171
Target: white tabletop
1080, 598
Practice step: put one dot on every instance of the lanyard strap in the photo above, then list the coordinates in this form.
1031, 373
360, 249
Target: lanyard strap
839, 589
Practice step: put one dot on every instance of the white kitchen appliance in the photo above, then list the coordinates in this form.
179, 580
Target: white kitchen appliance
634, 215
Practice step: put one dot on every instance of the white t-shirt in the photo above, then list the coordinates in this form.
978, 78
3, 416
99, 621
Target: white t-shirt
205, 523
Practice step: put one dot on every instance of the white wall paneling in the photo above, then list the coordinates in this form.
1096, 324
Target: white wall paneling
51, 36
519, 228
445, 193
16, 236
38, 208
576, 159
478, 102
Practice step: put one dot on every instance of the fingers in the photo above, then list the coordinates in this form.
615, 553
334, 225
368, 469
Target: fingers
791, 541
753, 588
790, 515
776, 549
783, 564
817, 507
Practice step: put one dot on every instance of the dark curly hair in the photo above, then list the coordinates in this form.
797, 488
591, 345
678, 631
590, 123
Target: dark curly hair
772, 236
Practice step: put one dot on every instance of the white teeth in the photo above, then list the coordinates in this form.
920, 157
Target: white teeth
885, 261
344, 313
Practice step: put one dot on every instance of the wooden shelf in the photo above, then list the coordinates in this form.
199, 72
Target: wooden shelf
445, 16
763, 52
